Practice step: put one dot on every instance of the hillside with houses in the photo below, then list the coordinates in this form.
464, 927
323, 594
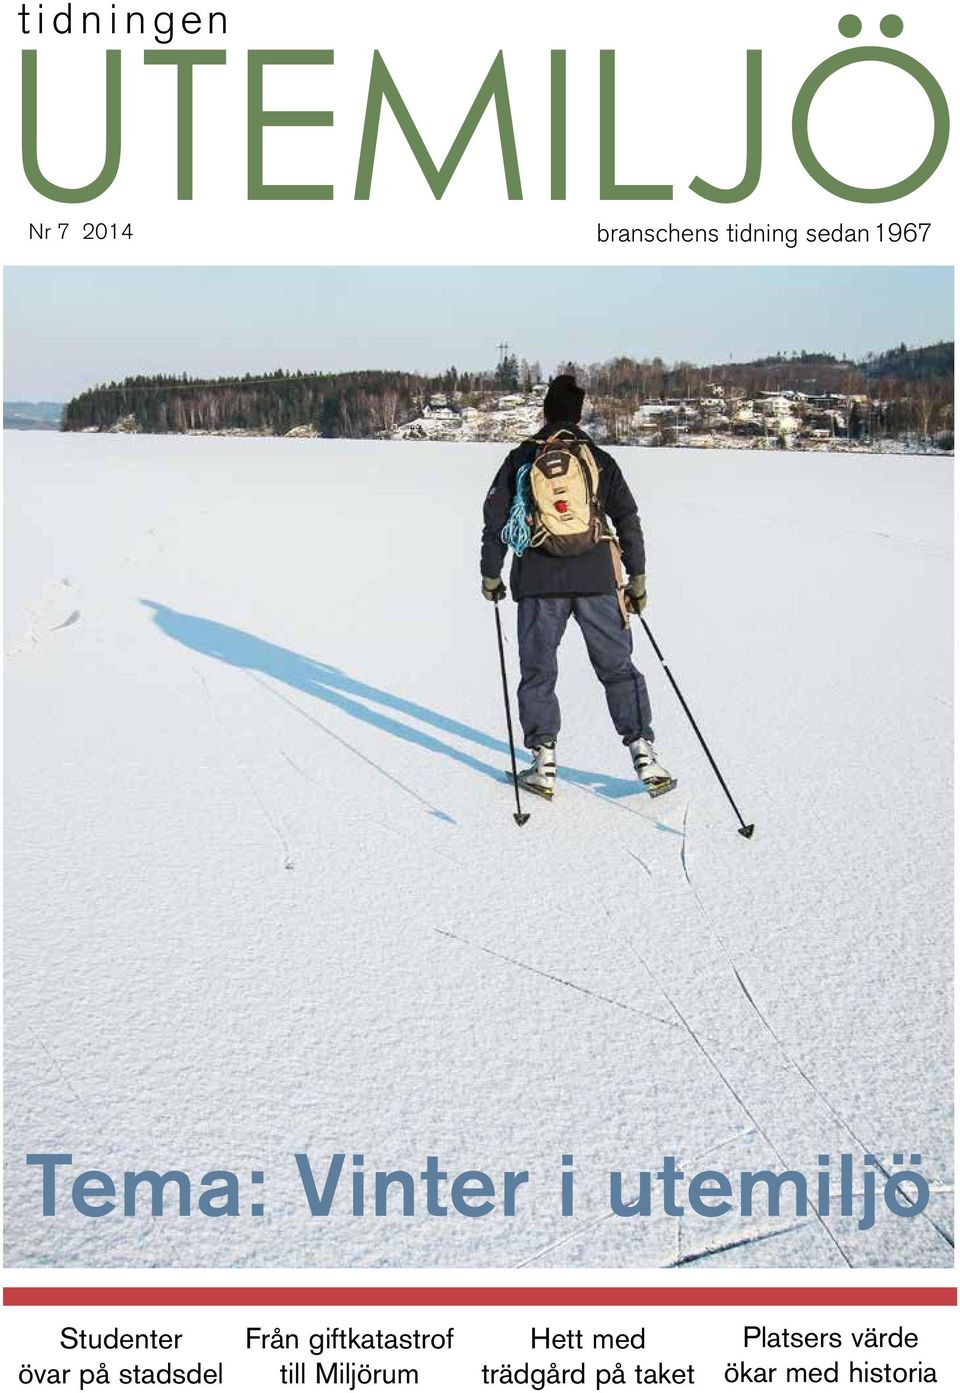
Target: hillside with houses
899, 400
724, 418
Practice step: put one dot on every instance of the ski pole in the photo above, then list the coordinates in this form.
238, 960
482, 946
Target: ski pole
746, 828
519, 816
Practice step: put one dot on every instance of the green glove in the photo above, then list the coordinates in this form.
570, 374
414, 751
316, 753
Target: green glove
493, 589
635, 594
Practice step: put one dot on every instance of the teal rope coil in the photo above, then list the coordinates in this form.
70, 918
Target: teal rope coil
516, 532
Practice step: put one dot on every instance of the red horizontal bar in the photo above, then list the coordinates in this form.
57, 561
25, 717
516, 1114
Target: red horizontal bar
480, 1296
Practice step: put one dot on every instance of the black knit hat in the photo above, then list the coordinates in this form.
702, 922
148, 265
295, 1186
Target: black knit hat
564, 400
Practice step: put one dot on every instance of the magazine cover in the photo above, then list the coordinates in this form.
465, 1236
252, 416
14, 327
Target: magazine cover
479, 694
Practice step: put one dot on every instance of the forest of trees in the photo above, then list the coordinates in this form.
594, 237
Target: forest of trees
351, 404
881, 375
914, 386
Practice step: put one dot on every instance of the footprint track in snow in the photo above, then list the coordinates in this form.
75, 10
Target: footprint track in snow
70, 619
54, 609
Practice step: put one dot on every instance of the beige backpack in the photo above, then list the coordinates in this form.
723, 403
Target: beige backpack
563, 486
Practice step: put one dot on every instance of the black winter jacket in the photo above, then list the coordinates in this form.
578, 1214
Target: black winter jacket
536, 572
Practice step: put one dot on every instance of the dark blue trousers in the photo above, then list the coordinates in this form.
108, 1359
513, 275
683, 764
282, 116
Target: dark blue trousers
541, 621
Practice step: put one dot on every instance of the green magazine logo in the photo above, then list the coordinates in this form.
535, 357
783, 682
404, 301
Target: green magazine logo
383, 91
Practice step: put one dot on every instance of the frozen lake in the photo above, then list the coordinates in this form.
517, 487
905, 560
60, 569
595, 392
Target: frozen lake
265, 896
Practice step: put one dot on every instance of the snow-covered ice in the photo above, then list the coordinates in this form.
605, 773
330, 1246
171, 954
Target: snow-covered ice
265, 895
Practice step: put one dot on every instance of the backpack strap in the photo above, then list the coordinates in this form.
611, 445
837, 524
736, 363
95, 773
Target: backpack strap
544, 443
617, 560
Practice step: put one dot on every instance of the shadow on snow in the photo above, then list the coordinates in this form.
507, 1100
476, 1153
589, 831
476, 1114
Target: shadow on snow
348, 694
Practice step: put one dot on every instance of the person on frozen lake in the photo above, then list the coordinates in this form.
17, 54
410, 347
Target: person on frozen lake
552, 501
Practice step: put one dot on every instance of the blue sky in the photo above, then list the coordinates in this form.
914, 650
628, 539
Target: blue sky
66, 328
